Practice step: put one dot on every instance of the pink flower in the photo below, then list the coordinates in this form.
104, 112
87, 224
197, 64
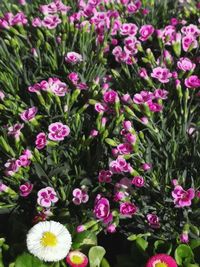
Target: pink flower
73, 57
127, 125
51, 21
80, 196
29, 114
162, 74
145, 32
19, 19
143, 97
138, 181
2, 95
77, 259
105, 176
120, 196
11, 167
100, 107
59, 88
153, 221
119, 165
183, 198
58, 131
3, 187
111, 229
22, 2
124, 149
73, 77
131, 138
25, 189
184, 238
15, 130
110, 97
146, 166
23, 161
164, 259
127, 209
41, 141
192, 82
36, 22
128, 29
160, 94
46, 197
189, 42
102, 209
154, 107
185, 64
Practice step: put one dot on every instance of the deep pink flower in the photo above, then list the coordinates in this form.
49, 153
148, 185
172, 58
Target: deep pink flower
185, 64
184, 238
161, 258
101, 107
58, 131
46, 197
146, 166
111, 228
41, 140
105, 176
145, 32
25, 189
73, 77
36, 22
160, 94
138, 181
51, 21
183, 198
154, 107
119, 165
102, 209
29, 114
128, 29
73, 57
189, 42
124, 149
143, 97
110, 97
153, 221
162, 74
23, 161
127, 209
192, 82
131, 138
80, 196
77, 259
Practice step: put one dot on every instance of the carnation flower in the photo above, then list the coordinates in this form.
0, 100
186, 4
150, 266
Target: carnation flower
73, 57
162, 74
58, 131
161, 260
40, 141
29, 114
46, 197
127, 209
102, 209
192, 82
77, 259
49, 241
51, 21
183, 198
25, 189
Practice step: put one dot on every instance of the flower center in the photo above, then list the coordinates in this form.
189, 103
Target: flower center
76, 259
160, 264
49, 239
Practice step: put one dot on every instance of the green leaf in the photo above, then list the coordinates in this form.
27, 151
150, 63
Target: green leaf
184, 255
141, 243
105, 263
96, 255
162, 247
86, 238
27, 260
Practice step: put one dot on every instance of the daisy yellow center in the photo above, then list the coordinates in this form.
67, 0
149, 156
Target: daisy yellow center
76, 259
161, 264
49, 239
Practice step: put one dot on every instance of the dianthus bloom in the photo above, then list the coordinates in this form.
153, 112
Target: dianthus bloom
153, 220
15, 130
110, 97
127, 209
145, 32
80, 196
51, 21
46, 197
119, 165
58, 131
25, 189
162, 74
185, 64
73, 57
29, 114
192, 82
102, 209
138, 181
161, 260
40, 141
183, 198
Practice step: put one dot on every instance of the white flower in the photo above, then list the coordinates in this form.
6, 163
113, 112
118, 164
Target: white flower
49, 241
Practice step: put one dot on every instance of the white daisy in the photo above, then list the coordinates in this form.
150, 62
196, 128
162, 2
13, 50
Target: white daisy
49, 241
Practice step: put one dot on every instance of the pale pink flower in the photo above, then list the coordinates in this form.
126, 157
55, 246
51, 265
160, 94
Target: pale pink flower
119, 165
51, 21
185, 64
29, 114
11, 167
58, 131
36, 22
80, 196
46, 197
161, 74
184, 238
128, 29
3, 187
73, 57
2, 95
15, 130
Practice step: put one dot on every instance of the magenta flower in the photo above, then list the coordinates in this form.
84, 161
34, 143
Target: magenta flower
145, 32
119, 165
11, 167
59, 88
192, 82
29, 114
25, 189
161, 74
15, 130
41, 140
185, 64
80, 196
110, 97
183, 198
128, 29
124, 149
46, 197
153, 221
163, 260
127, 209
23, 161
184, 238
105, 176
160, 94
111, 228
131, 138
102, 209
146, 166
73, 77
189, 42
19, 19
138, 181
51, 21
143, 97
73, 57
58, 131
